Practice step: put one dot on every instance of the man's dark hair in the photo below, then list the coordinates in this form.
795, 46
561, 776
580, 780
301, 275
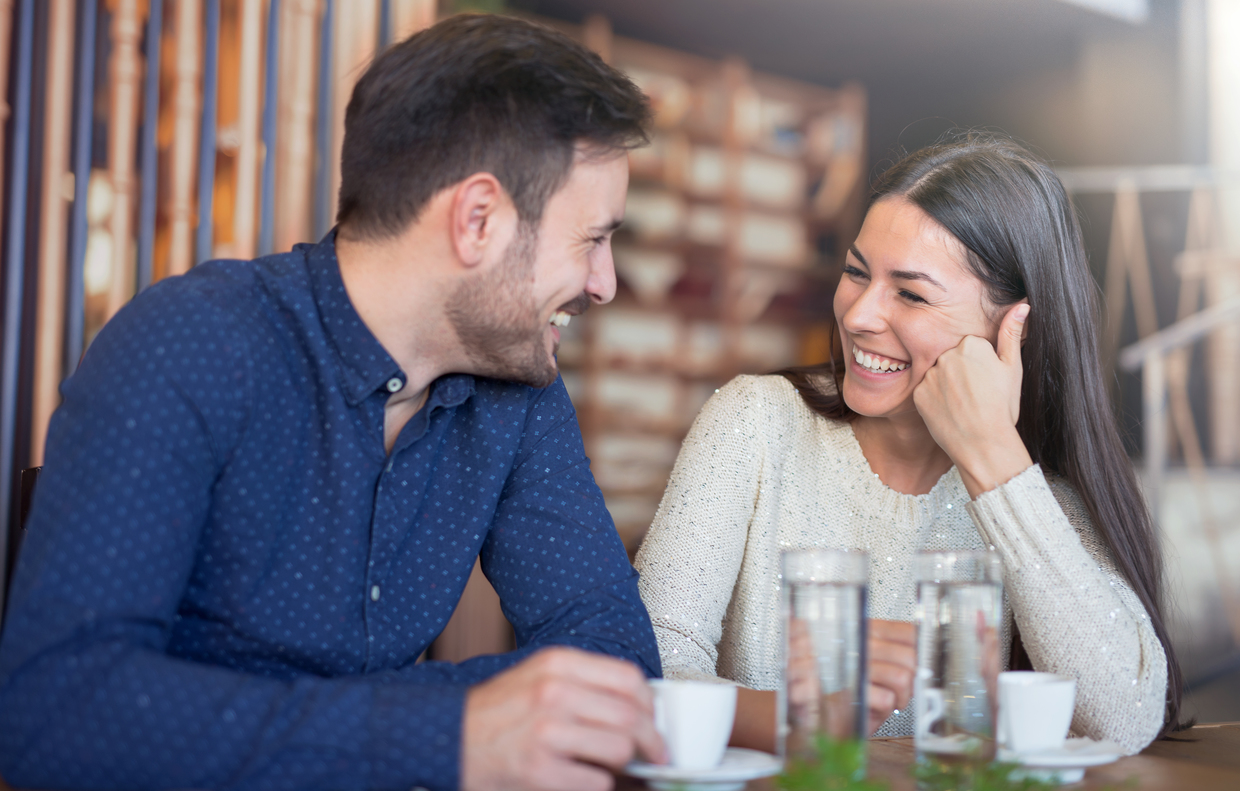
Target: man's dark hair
478, 93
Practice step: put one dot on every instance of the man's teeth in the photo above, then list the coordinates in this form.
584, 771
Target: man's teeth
560, 318
877, 364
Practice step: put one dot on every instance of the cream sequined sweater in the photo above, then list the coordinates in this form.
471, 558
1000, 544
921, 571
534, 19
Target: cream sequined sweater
759, 472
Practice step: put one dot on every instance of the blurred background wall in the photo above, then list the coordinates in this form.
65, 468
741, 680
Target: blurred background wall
144, 136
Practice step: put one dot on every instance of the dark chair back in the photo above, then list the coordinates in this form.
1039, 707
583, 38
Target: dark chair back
17, 532
30, 476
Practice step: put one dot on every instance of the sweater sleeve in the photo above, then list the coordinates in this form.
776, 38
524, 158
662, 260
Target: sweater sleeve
692, 554
1077, 614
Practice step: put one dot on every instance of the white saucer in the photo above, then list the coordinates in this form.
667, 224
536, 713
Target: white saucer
738, 766
1065, 764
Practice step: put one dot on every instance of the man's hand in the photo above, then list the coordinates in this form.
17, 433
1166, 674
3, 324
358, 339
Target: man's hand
893, 665
558, 720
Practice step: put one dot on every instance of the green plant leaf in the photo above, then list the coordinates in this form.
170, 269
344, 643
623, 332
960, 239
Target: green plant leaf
837, 766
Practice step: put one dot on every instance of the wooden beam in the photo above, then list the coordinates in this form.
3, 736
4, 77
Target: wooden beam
271, 101
295, 152
245, 207
205, 235
410, 16
53, 225
125, 71
83, 135
1128, 264
6, 28
14, 268
148, 158
183, 154
354, 50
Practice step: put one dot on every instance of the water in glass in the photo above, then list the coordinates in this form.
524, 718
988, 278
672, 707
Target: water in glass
824, 595
958, 611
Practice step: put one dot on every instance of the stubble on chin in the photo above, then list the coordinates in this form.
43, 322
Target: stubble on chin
497, 322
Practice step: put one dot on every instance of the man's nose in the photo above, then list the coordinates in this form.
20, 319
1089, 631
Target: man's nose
601, 285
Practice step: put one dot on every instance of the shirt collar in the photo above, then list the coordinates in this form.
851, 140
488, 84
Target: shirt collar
366, 364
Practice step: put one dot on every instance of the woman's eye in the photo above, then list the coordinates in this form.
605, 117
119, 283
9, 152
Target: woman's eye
853, 271
911, 297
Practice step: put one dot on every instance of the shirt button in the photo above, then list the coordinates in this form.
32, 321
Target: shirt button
374, 593
394, 384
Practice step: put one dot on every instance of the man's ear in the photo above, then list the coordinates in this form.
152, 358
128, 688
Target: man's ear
478, 214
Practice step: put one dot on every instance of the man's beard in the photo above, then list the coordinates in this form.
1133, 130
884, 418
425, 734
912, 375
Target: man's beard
497, 322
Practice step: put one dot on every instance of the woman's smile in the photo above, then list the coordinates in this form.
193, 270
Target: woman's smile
876, 363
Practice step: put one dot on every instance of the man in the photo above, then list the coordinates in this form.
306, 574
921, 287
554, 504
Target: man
269, 480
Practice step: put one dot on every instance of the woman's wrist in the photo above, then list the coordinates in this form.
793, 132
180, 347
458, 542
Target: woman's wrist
991, 464
754, 725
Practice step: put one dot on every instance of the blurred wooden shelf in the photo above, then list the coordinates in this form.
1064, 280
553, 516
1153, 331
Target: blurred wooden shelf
739, 215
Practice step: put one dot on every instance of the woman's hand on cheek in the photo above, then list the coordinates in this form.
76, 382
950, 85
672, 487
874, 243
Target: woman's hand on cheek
970, 400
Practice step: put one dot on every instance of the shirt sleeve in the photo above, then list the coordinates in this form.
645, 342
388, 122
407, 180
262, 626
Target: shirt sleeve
692, 554
1077, 614
553, 553
89, 695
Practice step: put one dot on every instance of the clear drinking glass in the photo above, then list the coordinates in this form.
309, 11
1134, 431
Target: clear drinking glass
824, 606
959, 603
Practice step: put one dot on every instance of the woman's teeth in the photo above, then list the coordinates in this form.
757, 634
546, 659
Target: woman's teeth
876, 364
560, 318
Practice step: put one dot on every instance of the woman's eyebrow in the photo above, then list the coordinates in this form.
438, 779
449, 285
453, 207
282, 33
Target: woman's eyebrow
857, 254
905, 274
899, 274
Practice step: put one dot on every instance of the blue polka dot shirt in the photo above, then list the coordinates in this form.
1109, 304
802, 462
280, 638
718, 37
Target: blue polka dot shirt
227, 581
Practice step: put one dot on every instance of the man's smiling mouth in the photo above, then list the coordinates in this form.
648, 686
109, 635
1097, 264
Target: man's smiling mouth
872, 362
561, 318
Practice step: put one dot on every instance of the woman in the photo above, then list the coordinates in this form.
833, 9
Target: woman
969, 412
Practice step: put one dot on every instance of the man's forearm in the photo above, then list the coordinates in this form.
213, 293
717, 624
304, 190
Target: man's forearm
111, 714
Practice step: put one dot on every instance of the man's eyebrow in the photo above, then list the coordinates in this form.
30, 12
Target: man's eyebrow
609, 227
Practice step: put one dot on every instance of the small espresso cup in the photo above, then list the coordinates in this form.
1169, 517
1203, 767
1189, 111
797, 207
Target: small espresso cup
1035, 710
695, 720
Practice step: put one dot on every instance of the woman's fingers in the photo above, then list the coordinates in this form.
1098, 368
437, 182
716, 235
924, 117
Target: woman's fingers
879, 699
896, 679
893, 632
970, 402
1011, 331
892, 667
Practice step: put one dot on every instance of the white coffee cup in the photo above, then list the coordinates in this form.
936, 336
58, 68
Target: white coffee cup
1035, 710
695, 720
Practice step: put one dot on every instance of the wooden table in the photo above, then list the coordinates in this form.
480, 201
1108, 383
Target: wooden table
1206, 758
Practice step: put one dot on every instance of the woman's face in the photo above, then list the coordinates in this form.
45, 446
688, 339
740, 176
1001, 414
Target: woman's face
906, 297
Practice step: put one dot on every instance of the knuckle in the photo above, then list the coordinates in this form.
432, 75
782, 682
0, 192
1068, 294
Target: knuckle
544, 731
631, 673
554, 659
548, 691
882, 698
627, 718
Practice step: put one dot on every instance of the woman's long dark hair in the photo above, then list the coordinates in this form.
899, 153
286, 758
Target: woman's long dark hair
1013, 216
